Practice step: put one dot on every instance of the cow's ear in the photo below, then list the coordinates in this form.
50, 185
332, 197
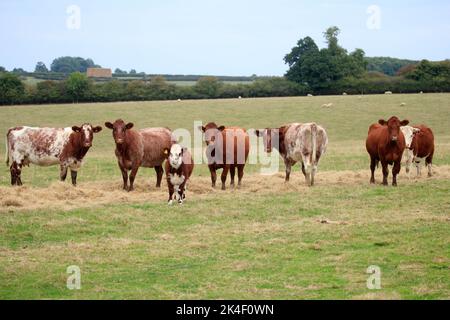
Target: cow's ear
404, 123
202, 128
109, 125
76, 129
166, 152
129, 125
221, 128
382, 122
97, 129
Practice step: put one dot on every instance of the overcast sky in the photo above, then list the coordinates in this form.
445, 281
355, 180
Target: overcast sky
218, 37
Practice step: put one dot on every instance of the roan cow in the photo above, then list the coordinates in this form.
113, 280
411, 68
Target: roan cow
305, 143
48, 146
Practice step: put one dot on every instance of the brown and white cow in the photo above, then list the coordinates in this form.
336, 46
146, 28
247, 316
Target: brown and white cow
386, 143
296, 142
48, 146
139, 148
227, 149
179, 167
420, 145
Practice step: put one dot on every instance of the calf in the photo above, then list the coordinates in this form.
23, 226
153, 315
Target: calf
48, 146
420, 145
179, 167
139, 148
227, 149
386, 143
305, 143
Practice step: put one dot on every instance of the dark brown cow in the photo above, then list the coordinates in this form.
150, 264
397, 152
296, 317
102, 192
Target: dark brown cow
179, 167
139, 148
386, 143
422, 147
227, 149
48, 146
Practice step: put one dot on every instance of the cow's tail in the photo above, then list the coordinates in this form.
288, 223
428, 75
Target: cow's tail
313, 143
7, 151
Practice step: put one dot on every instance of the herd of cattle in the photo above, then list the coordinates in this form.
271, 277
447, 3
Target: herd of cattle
151, 147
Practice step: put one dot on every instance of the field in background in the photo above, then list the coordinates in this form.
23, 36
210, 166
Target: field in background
268, 240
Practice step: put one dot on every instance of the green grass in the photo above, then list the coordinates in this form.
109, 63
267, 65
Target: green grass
267, 243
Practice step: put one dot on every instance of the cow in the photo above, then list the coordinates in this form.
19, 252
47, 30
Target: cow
47, 147
386, 143
227, 149
420, 145
305, 143
179, 166
139, 148
408, 155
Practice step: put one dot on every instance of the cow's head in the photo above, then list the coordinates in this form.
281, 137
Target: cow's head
175, 155
394, 125
119, 128
211, 131
86, 132
266, 134
409, 133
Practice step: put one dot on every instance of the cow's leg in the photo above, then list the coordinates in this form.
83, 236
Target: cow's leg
288, 165
63, 173
16, 171
133, 173
308, 170
373, 165
429, 163
159, 174
408, 162
171, 191
417, 162
395, 172
224, 175
73, 175
124, 177
240, 168
385, 173
232, 175
213, 172
181, 189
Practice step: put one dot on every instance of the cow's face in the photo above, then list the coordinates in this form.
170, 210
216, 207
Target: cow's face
119, 128
86, 133
409, 133
211, 131
394, 125
175, 155
266, 134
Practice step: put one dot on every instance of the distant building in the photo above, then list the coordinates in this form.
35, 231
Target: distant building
99, 73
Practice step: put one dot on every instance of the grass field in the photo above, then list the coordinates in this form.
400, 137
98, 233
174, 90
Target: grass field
269, 240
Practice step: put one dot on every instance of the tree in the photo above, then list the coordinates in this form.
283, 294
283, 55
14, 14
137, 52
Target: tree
11, 88
133, 71
119, 71
320, 68
41, 67
18, 71
72, 64
77, 86
207, 87
2, 69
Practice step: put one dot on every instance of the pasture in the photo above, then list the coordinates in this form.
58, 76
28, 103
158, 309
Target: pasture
269, 240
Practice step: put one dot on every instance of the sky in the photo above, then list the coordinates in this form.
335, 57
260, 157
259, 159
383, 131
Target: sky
215, 37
